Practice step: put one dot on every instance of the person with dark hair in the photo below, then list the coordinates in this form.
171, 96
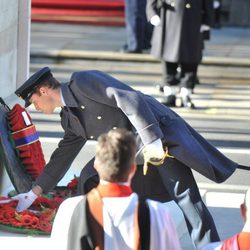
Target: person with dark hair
114, 206
92, 103
178, 41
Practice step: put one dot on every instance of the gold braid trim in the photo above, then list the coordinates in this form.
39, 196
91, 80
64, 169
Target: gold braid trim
153, 161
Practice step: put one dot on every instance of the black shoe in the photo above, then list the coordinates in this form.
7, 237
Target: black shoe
189, 80
133, 51
171, 82
186, 102
126, 50
147, 47
159, 87
170, 100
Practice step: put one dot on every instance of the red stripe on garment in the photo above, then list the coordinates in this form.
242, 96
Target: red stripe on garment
24, 132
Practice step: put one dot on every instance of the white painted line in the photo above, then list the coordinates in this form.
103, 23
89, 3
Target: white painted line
234, 150
220, 186
57, 140
222, 199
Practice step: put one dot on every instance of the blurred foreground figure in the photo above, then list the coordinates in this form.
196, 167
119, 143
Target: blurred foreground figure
239, 241
116, 217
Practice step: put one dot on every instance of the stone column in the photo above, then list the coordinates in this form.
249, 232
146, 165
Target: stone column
14, 58
14, 46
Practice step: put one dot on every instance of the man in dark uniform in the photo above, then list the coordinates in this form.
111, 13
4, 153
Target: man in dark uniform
179, 27
93, 103
138, 29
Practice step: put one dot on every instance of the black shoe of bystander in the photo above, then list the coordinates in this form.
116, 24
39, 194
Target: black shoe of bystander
125, 49
169, 101
186, 102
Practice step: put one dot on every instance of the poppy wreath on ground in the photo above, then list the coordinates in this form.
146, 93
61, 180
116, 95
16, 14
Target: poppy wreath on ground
26, 141
38, 221
39, 218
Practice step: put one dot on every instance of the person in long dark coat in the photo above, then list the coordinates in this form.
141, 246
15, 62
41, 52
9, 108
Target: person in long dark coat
177, 40
138, 29
93, 103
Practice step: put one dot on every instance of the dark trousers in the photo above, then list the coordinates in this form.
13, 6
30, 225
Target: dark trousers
138, 29
177, 183
187, 77
171, 181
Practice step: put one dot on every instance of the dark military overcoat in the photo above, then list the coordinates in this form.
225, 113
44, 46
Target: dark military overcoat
97, 102
178, 38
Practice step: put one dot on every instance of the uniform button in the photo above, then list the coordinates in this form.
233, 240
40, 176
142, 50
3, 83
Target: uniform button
188, 5
91, 137
99, 117
82, 107
114, 127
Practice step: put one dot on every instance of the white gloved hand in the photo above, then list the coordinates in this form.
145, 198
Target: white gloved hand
204, 27
216, 4
25, 200
155, 20
155, 149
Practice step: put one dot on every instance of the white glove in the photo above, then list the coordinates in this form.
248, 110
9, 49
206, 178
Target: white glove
216, 4
155, 20
24, 200
204, 27
155, 149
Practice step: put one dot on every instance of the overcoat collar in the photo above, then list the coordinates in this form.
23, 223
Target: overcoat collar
68, 96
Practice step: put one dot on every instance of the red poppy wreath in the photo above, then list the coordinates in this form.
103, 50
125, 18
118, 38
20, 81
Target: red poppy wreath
39, 218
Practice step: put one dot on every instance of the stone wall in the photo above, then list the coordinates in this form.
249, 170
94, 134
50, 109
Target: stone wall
14, 45
14, 57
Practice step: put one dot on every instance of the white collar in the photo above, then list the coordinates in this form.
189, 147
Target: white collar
62, 99
103, 182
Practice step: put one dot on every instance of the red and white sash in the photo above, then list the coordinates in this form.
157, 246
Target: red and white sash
99, 214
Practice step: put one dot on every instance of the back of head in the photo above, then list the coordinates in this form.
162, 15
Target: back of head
115, 154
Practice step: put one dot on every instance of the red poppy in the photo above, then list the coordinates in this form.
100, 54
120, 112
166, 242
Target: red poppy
27, 212
56, 202
41, 202
12, 203
44, 225
34, 222
4, 198
1, 214
26, 220
73, 184
16, 223
8, 214
12, 221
